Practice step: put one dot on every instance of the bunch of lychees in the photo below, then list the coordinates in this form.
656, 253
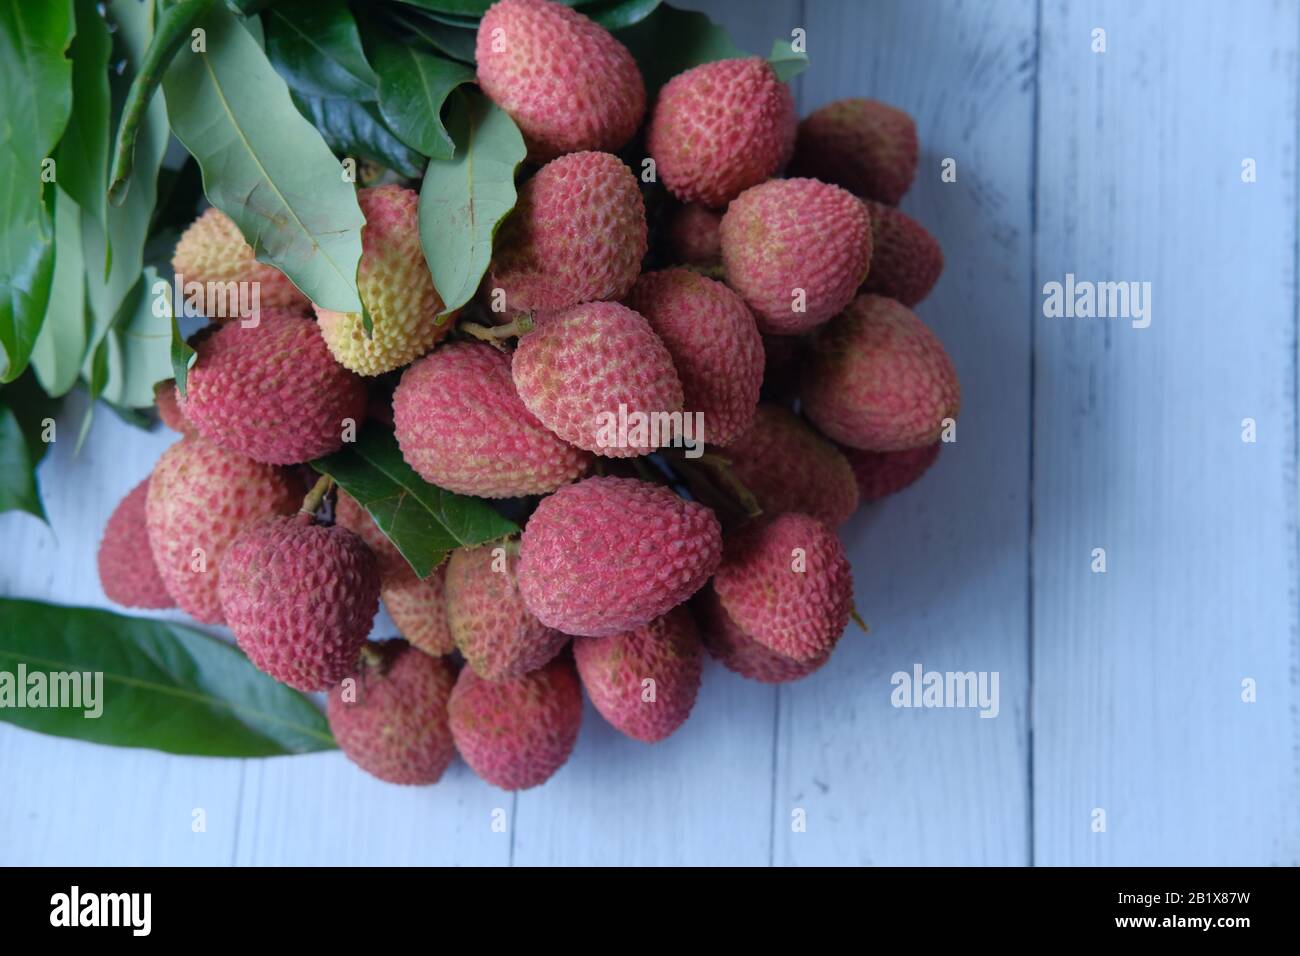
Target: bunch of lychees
797, 290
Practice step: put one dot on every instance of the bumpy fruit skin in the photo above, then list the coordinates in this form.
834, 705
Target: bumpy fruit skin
577, 234
789, 467
714, 344
213, 249
126, 567
200, 497
390, 719
516, 733
881, 473
300, 598
357, 520
740, 653
564, 80
865, 146
418, 608
799, 614
667, 651
498, 637
579, 365
906, 260
395, 286
272, 391
768, 237
694, 235
720, 128
462, 426
168, 405
608, 555
876, 378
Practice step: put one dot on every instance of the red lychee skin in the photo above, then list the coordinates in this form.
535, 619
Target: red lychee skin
300, 598
740, 653
714, 344
390, 716
799, 614
881, 473
577, 234
789, 467
767, 235
200, 497
496, 634
564, 80
127, 571
865, 146
516, 733
392, 566
694, 235
613, 669
578, 365
876, 378
272, 391
608, 555
462, 426
418, 607
213, 249
720, 128
906, 260
169, 410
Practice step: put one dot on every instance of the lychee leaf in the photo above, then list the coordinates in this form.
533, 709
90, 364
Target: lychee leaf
785, 62
464, 199
61, 346
671, 40
450, 41
462, 8
423, 521
264, 165
618, 14
140, 345
357, 129
316, 47
82, 156
164, 686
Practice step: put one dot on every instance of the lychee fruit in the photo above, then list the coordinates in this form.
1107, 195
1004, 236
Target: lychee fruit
588, 370
740, 653
200, 497
212, 249
127, 571
418, 607
768, 235
868, 147
516, 733
300, 597
564, 80
714, 344
644, 682
608, 555
876, 378
577, 234
356, 519
789, 467
906, 260
462, 426
396, 288
272, 391
787, 584
389, 716
881, 473
497, 635
167, 402
694, 235
721, 128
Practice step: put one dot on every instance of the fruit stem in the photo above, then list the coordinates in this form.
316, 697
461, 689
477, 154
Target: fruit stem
311, 503
494, 334
721, 468
857, 619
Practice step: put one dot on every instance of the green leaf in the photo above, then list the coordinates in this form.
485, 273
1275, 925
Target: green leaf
357, 130
35, 411
82, 155
455, 43
463, 200
413, 86
264, 165
140, 345
618, 14
18, 490
670, 41
182, 357
36, 90
315, 46
786, 62
422, 520
470, 9
164, 686
61, 346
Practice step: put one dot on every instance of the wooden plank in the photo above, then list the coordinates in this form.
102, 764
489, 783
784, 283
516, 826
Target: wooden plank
940, 569
1138, 439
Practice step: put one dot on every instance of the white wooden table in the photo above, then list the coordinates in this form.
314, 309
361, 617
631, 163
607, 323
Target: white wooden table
1120, 692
